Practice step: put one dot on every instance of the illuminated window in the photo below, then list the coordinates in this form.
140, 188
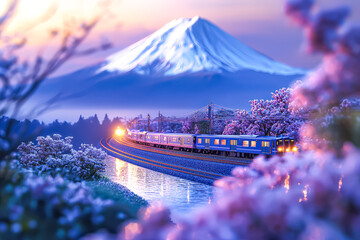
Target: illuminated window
174, 139
253, 143
156, 137
216, 142
223, 142
164, 138
207, 140
245, 143
233, 142
265, 144
199, 140
188, 140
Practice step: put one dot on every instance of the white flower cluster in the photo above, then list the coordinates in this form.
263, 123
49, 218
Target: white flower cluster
55, 155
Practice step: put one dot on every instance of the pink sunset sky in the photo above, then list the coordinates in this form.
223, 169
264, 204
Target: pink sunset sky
260, 24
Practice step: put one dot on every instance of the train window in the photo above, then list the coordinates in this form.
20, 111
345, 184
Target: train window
148, 137
273, 144
223, 142
174, 139
245, 143
164, 138
188, 140
217, 141
253, 143
233, 142
265, 144
156, 137
199, 140
207, 140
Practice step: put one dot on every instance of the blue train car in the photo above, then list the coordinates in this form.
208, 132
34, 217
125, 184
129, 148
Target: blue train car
244, 145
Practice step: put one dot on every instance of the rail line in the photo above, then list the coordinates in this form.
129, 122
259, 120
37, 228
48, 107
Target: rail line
156, 163
155, 150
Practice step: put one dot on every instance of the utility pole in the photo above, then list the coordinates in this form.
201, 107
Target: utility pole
148, 122
210, 117
160, 123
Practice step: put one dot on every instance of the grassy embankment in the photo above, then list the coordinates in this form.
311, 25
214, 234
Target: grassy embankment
106, 189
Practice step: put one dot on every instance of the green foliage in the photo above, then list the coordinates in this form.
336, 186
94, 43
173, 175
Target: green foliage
203, 127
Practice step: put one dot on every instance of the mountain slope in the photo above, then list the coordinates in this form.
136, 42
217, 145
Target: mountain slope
189, 46
187, 63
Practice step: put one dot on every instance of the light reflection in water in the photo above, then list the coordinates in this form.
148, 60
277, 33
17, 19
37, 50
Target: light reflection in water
180, 195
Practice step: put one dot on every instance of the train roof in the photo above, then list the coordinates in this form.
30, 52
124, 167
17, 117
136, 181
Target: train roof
173, 134
241, 136
215, 136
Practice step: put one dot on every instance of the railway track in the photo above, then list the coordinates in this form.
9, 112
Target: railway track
194, 172
167, 152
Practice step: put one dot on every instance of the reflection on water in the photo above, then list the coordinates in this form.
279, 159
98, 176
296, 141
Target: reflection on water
180, 195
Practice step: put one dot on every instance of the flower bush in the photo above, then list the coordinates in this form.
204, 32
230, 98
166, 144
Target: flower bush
33, 207
54, 155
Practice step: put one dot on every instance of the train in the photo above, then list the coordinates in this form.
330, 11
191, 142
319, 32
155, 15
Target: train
244, 146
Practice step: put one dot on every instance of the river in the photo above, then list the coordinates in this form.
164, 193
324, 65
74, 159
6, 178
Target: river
180, 195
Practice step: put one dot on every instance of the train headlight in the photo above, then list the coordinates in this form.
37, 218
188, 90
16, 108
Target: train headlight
280, 149
119, 132
288, 150
295, 149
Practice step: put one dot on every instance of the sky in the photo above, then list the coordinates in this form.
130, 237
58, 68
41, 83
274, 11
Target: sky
260, 24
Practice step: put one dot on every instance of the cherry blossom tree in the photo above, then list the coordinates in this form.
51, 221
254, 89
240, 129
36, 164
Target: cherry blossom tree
267, 117
196, 129
187, 126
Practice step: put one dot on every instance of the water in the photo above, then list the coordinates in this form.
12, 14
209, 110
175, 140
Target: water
180, 195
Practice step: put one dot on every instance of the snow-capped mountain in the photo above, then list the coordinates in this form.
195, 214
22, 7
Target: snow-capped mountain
191, 45
187, 63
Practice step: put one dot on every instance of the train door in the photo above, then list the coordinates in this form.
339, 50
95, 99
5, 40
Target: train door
182, 141
207, 143
165, 141
265, 147
233, 144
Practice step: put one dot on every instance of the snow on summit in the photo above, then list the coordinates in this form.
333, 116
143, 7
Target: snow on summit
191, 45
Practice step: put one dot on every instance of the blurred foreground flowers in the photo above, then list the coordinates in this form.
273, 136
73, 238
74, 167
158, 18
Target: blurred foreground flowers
46, 207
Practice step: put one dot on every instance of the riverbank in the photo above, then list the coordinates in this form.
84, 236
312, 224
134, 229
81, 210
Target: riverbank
180, 195
104, 188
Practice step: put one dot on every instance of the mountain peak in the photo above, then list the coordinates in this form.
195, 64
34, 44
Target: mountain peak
190, 45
